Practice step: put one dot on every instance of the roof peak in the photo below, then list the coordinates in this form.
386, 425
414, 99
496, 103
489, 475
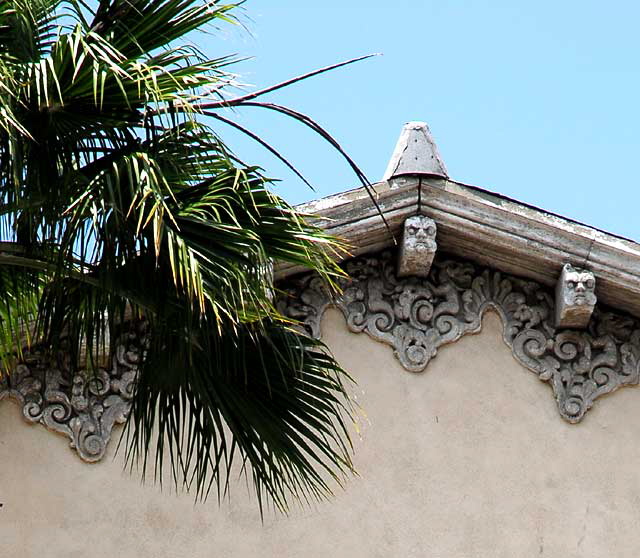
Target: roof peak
415, 153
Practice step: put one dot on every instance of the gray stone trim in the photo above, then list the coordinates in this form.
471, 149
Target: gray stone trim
416, 316
80, 405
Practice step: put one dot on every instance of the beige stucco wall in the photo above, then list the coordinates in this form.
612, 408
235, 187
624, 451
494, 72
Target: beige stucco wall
468, 459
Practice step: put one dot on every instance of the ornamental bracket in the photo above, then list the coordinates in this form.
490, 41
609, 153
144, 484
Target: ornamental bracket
575, 297
418, 247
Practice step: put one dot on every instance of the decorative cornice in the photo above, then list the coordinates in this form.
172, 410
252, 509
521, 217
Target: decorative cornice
413, 315
486, 228
416, 316
81, 405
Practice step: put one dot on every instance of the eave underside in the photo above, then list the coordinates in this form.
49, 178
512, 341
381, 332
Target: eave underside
486, 228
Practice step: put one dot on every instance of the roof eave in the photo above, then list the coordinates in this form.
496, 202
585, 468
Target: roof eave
486, 228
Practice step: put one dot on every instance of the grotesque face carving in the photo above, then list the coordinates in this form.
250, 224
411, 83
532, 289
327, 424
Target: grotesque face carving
418, 246
575, 297
420, 232
579, 286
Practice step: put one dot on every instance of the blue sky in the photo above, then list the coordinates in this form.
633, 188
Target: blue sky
536, 101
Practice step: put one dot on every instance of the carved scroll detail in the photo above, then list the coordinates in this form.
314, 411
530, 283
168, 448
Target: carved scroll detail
80, 405
416, 316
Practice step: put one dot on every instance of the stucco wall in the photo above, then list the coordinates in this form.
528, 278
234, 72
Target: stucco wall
468, 459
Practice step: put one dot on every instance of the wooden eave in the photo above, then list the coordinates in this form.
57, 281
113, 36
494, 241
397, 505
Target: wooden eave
484, 227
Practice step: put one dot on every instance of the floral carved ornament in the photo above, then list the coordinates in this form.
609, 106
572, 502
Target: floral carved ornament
415, 316
80, 405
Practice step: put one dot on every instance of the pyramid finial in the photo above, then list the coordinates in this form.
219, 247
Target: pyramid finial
415, 153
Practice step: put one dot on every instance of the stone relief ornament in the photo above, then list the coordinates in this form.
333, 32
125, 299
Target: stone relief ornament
80, 405
415, 316
418, 247
575, 297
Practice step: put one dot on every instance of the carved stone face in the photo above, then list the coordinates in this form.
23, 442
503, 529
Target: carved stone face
420, 233
579, 286
418, 246
575, 297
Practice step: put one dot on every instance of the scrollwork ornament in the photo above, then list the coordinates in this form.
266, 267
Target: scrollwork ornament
84, 406
415, 316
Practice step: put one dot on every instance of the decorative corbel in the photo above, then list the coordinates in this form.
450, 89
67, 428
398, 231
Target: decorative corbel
418, 247
575, 297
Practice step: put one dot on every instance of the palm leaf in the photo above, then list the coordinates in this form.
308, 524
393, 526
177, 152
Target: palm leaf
119, 204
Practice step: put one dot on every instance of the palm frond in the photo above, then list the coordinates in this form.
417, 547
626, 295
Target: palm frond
118, 204
271, 395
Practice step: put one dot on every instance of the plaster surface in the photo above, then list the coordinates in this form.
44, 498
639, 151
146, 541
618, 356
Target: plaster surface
469, 458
